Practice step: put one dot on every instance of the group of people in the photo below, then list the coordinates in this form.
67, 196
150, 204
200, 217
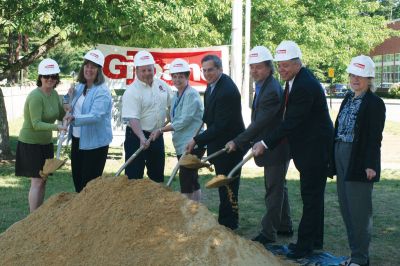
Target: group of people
293, 123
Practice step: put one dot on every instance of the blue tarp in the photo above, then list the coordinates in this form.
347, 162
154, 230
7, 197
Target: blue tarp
321, 258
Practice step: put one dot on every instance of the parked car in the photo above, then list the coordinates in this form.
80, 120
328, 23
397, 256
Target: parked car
339, 90
384, 87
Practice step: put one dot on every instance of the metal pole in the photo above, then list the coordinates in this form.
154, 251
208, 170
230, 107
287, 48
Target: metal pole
246, 75
237, 47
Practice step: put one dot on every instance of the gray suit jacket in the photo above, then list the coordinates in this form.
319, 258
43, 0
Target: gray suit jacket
267, 113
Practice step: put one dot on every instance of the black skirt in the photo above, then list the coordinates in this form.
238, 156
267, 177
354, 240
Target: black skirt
30, 158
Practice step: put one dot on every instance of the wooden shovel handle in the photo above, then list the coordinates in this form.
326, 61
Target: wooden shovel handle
175, 171
215, 154
245, 160
133, 156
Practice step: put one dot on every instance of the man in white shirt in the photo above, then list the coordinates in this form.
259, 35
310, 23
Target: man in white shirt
145, 105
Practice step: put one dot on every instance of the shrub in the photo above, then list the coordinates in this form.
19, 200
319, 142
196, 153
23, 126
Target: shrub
394, 90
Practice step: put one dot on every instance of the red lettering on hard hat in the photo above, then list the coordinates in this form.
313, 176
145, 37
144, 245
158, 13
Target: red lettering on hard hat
281, 51
254, 55
178, 65
95, 55
49, 66
144, 57
359, 65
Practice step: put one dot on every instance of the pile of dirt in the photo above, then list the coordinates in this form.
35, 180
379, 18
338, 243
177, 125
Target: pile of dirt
114, 221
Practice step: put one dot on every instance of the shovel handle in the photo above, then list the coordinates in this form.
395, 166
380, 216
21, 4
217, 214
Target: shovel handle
61, 138
245, 160
175, 171
215, 154
130, 159
60, 141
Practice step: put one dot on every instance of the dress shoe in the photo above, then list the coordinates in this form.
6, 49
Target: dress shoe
349, 262
288, 233
298, 254
262, 239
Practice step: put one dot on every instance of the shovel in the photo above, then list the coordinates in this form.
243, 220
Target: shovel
176, 168
51, 165
133, 156
221, 180
191, 161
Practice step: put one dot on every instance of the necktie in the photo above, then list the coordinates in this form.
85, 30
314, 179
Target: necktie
258, 87
286, 98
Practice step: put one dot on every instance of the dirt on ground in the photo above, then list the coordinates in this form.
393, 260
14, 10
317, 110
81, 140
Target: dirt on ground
114, 221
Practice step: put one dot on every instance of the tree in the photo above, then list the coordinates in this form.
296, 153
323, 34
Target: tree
328, 32
141, 23
390, 9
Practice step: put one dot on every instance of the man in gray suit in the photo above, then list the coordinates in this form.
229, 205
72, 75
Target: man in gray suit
267, 113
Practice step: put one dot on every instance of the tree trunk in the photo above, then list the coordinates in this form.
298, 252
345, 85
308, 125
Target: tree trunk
5, 150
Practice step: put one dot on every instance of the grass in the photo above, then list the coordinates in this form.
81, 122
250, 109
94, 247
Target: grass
386, 229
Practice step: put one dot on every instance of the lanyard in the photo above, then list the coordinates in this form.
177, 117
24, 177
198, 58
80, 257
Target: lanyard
178, 99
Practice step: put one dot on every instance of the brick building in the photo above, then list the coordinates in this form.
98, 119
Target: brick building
387, 60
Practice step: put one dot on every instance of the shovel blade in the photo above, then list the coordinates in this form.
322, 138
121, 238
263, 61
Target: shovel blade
51, 165
218, 181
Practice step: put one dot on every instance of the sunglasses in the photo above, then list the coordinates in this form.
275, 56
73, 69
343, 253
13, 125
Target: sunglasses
53, 77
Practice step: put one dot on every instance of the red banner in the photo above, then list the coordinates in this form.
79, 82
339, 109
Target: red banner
119, 70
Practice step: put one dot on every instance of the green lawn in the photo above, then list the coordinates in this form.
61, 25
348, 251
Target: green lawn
386, 230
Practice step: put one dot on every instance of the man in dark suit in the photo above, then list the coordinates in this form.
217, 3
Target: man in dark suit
308, 128
266, 115
223, 117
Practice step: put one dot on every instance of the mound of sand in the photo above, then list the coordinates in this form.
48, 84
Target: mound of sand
114, 221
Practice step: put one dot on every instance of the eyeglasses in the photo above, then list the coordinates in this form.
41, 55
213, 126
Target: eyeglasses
53, 77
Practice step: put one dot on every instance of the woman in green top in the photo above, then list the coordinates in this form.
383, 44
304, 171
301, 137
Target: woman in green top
42, 108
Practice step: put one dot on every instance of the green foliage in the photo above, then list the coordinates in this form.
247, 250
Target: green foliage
329, 33
140, 23
390, 9
69, 58
394, 90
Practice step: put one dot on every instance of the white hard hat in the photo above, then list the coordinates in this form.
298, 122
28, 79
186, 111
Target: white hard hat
259, 54
48, 67
95, 56
178, 66
143, 58
287, 50
362, 66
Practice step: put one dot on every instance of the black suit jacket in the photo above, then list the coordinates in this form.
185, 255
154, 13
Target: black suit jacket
307, 125
223, 117
366, 148
267, 114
